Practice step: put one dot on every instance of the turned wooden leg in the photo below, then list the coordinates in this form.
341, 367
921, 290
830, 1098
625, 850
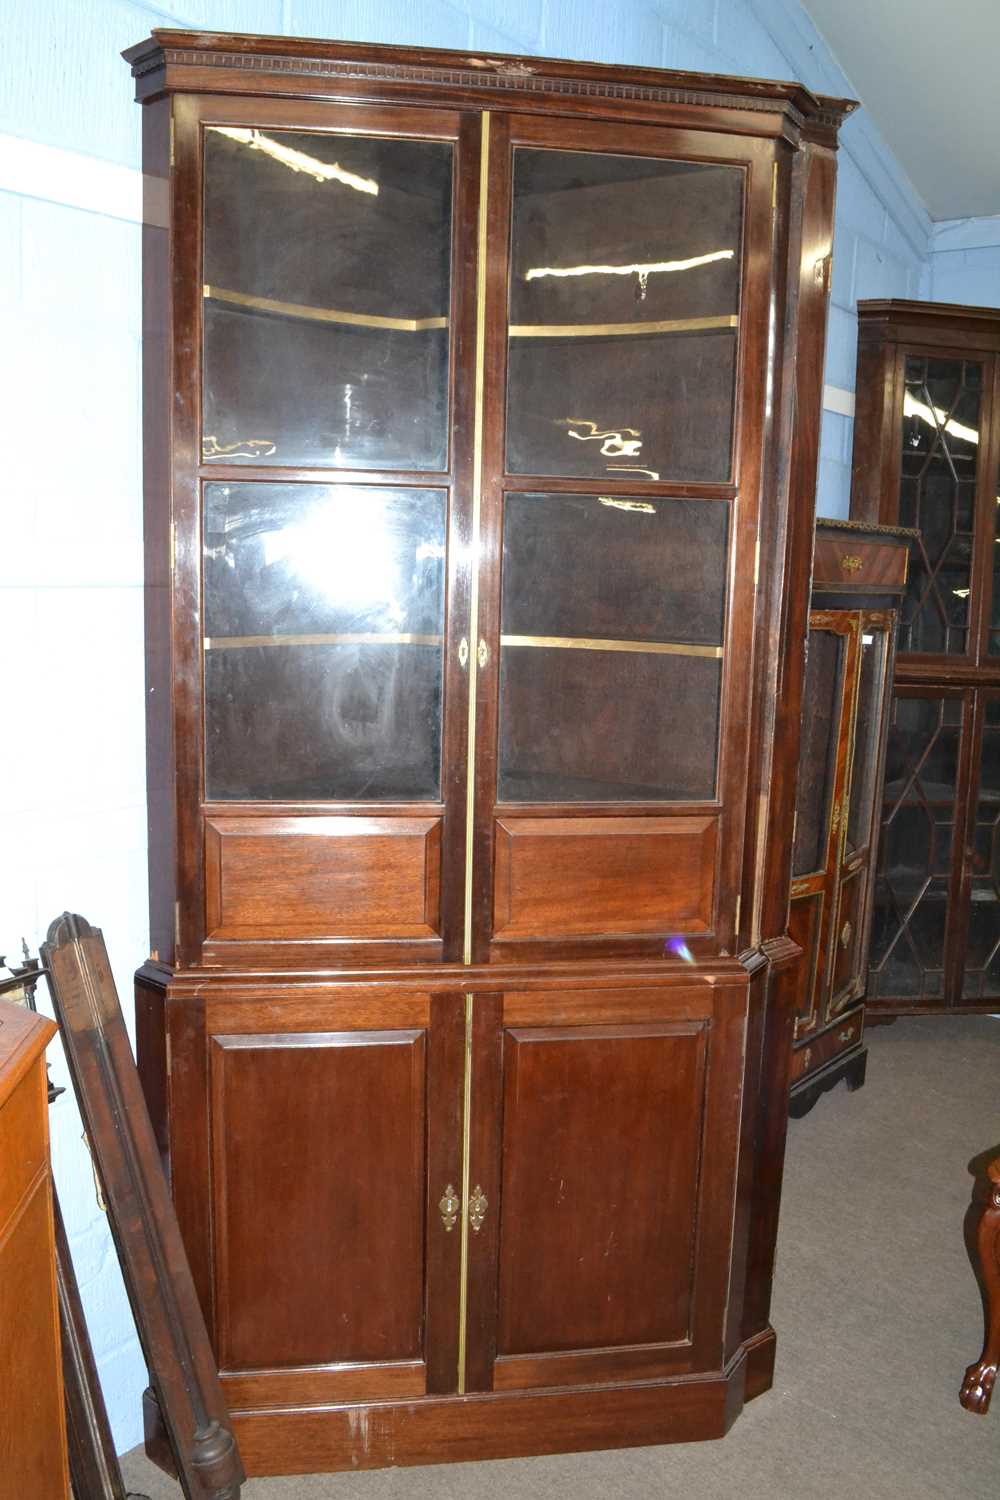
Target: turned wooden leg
977, 1387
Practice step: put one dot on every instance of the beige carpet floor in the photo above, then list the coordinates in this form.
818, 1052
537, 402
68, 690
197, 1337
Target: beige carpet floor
875, 1306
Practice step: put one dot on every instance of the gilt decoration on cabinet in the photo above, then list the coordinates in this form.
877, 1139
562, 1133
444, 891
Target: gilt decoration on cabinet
859, 574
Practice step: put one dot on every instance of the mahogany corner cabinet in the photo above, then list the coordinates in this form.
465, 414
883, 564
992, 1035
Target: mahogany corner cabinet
481, 404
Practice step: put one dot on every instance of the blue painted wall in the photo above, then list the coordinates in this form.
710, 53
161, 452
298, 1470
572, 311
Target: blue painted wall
964, 262
71, 580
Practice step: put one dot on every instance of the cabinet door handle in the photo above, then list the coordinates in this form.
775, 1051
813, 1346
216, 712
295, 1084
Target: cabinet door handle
448, 1207
845, 934
478, 1204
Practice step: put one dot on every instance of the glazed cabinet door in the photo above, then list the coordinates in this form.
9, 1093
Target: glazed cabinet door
320, 503
981, 875
601, 1208
917, 944
824, 768
860, 819
947, 492
331, 1150
623, 299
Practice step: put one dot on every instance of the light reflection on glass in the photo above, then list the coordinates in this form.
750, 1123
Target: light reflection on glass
297, 161
642, 269
936, 418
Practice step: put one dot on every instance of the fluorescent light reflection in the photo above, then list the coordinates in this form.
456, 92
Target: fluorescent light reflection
640, 505
349, 553
640, 268
297, 161
938, 419
613, 440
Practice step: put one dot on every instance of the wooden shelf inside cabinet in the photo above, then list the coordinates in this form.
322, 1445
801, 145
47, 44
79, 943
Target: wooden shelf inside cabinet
466, 777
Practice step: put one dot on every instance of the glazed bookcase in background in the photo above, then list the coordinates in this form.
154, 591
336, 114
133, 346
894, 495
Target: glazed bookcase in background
475, 559
927, 455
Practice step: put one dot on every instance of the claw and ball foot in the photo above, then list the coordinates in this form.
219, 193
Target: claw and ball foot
980, 1378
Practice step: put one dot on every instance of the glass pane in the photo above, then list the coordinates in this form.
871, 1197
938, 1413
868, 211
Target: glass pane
624, 303
911, 890
937, 494
982, 959
868, 719
327, 268
612, 622
821, 703
994, 641
324, 619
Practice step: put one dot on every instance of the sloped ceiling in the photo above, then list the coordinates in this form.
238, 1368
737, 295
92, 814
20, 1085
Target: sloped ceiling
929, 75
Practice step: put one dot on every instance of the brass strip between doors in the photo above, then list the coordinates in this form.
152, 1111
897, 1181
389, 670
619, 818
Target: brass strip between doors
305, 313
477, 496
583, 643
463, 1279
361, 638
617, 330
470, 768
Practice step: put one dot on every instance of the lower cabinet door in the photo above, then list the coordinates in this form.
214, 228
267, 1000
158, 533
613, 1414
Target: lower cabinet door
334, 1131
605, 1241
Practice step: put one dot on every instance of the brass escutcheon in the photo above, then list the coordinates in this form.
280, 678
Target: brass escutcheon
478, 1204
449, 1206
851, 562
845, 934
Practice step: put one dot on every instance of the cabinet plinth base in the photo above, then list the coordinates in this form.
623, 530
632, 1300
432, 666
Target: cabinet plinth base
851, 1067
464, 1429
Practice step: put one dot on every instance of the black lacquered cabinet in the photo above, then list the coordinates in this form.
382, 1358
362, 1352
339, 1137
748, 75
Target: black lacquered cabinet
927, 454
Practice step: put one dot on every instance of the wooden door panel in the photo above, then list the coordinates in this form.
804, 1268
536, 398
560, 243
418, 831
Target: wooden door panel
847, 940
805, 927
575, 876
599, 1193
614, 1174
338, 877
318, 1147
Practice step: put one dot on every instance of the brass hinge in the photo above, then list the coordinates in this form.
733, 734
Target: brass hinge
173, 546
172, 154
774, 187
177, 926
736, 919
